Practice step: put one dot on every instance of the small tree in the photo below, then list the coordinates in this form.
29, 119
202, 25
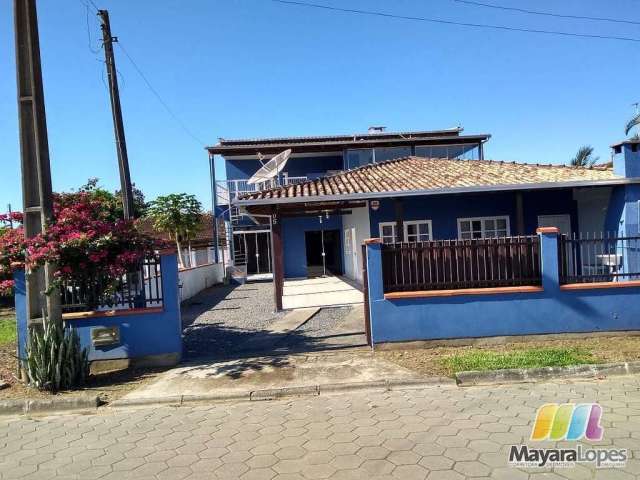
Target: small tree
177, 214
584, 157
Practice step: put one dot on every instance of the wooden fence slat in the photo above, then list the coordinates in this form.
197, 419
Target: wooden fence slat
463, 263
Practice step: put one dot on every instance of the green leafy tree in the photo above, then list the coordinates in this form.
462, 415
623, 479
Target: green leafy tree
177, 214
584, 157
139, 204
114, 200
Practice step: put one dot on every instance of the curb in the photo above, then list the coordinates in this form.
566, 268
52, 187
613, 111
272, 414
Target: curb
532, 375
278, 393
54, 405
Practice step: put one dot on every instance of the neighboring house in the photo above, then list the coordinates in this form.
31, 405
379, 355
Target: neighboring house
201, 249
319, 230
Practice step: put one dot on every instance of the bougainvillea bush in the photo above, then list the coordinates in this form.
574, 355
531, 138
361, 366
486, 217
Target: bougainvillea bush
12, 248
86, 241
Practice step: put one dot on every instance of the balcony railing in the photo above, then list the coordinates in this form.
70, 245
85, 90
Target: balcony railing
228, 190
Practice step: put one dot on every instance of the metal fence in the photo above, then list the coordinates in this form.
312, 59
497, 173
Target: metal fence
603, 257
455, 264
140, 288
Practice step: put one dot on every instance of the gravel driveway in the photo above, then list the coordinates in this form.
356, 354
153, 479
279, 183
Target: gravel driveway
218, 321
220, 318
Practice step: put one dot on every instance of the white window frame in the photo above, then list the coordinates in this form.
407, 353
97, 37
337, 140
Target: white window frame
417, 222
388, 224
482, 220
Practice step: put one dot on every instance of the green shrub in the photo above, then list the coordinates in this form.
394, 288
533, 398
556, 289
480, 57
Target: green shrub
54, 358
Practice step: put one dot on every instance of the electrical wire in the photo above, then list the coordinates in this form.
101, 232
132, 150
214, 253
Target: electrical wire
547, 14
142, 75
158, 97
95, 51
459, 24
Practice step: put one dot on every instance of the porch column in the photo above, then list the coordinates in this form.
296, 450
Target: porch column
277, 259
519, 214
399, 212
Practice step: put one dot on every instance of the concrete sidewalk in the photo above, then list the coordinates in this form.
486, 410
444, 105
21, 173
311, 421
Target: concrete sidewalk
263, 373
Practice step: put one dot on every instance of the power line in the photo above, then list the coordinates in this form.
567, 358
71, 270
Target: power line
547, 14
90, 41
157, 95
142, 75
459, 24
92, 4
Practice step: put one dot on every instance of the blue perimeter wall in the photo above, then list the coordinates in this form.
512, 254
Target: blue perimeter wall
293, 241
141, 334
469, 316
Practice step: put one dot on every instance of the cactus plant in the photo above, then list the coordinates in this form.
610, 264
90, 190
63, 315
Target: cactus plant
54, 359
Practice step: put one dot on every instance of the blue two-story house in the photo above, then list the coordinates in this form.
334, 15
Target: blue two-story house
315, 243
445, 243
419, 187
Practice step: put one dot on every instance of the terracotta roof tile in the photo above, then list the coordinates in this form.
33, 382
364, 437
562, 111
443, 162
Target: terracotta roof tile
417, 173
203, 237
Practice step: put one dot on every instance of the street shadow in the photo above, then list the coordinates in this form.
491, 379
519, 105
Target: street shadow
239, 368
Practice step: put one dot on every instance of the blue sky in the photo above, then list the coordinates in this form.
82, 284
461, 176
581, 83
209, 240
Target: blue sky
250, 68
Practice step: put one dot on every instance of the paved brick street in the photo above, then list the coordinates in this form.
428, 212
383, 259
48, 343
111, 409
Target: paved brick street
436, 433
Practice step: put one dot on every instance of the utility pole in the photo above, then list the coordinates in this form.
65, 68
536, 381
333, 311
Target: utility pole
34, 155
116, 110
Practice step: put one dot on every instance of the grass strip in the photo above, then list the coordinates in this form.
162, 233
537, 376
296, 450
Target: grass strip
525, 358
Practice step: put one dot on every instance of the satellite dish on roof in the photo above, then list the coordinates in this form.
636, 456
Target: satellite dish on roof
270, 169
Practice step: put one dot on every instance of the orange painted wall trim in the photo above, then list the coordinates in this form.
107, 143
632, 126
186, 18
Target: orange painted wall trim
547, 230
372, 240
597, 285
111, 313
462, 291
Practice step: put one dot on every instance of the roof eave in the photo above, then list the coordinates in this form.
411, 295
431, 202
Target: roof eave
364, 143
439, 191
327, 138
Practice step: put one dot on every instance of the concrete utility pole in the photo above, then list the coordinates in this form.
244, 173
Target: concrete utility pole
34, 155
118, 126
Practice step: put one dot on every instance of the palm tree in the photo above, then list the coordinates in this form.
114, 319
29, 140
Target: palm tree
584, 158
634, 122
